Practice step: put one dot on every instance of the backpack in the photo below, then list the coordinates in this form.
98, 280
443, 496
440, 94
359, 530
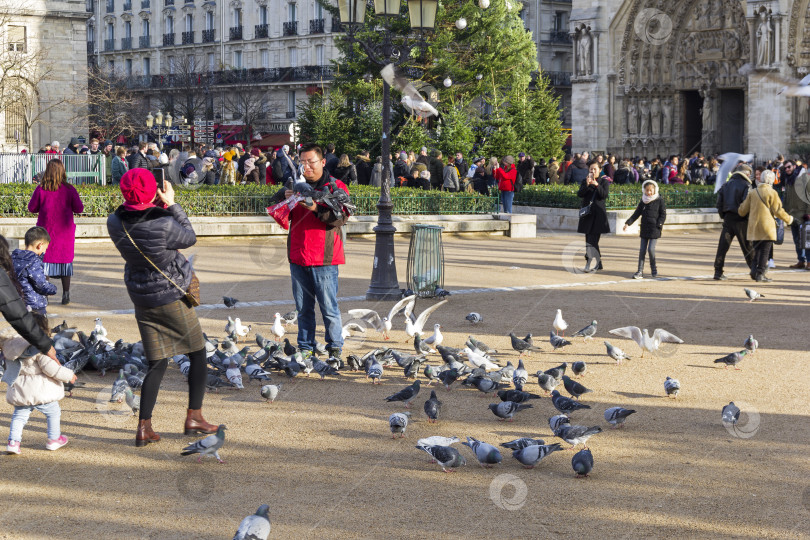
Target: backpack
518, 185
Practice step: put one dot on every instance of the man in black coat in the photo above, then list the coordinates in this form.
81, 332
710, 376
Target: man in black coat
525, 169
364, 167
436, 169
138, 160
729, 199
331, 159
462, 166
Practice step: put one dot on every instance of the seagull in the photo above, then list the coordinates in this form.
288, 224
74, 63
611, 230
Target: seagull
437, 440
436, 338
588, 332
557, 341
559, 323
277, 328
672, 387
616, 353
240, 329
349, 327
99, 330
255, 526
644, 340
383, 325
751, 344
415, 327
752, 294
474, 318
411, 97
616, 416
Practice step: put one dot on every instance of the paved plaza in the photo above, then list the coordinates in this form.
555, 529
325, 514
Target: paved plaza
322, 455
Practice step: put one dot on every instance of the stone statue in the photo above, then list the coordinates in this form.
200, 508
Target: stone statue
585, 46
666, 131
655, 117
632, 117
644, 106
708, 112
764, 33
717, 19
801, 114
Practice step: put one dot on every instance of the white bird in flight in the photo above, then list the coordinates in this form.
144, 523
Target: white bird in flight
644, 340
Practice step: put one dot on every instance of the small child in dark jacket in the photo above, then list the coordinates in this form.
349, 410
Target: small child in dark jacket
653, 213
30, 270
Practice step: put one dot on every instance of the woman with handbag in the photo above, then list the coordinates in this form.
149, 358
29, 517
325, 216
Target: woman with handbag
148, 230
593, 220
763, 205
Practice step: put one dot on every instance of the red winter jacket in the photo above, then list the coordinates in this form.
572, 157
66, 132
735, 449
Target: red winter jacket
506, 178
315, 238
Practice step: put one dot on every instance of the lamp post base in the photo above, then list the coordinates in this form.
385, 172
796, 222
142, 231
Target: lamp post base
384, 284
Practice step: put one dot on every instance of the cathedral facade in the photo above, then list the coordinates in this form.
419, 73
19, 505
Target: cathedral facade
677, 76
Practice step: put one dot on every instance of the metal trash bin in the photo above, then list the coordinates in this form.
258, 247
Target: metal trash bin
426, 260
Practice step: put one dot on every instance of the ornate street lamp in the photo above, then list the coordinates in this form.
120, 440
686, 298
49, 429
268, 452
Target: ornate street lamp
392, 49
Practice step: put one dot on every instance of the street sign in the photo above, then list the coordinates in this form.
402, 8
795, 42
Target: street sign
172, 132
293, 130
176, 138
219, 136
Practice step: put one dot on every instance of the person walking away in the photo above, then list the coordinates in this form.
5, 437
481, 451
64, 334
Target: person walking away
506, 177
729, 199
450, 181
653, 213
345, 171
331, 159
37, 385
763, 205
401, 169
315, 251
490, 170
119, 164
261, 165
30, 272
228, 174
363, 167
376, 173
138, 160
577, 172
55, 201
148, 230
797, 204
593, 191
541, 172
553, 171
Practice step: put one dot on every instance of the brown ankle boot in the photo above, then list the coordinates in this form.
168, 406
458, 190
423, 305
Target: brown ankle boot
195, 423
145, 435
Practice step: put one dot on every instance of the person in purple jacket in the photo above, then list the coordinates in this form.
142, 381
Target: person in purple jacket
56, 201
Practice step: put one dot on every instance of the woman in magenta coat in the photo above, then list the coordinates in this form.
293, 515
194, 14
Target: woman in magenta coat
56, 201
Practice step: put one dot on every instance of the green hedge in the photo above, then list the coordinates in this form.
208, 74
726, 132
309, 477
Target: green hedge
621, 196
99, 201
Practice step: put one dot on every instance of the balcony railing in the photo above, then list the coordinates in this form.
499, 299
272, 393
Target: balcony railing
235, 33
317, 26
144, 42
559, 36
126, 43
336, 26
168, 2
262, 30
237, 77
91, 47
188, 37
145, 4
290, 114
127, 5
290, 28
168, 39
208, 35
109, 44
558, 78
110, 6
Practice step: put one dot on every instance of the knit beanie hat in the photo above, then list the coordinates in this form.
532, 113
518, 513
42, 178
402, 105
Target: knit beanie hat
138, 187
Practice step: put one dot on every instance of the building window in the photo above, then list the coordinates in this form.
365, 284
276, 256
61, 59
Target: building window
110, 31
559, 21
169, 24
265, 58
291, 12
291, 104
128, 66
237, 59
209, 20
318, 11
319, 55
212, 63
292, 54
91, 33
147, 66
189, 22
192, 63
15, 123
237, 17
171, 65
111, 66
15, 36
262, 14
127, 29
145, 28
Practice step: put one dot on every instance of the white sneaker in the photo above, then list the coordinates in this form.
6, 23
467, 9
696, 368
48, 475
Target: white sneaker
56, 444
13, 447
771, 264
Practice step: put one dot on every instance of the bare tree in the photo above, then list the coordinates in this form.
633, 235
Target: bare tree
248, 105
111, 108
188, 89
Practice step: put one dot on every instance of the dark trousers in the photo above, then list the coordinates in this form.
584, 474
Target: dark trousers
592, 249
647, 246
762, 251
733, 227
796, 231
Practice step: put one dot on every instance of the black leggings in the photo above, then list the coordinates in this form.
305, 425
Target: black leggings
197, 375
592, 248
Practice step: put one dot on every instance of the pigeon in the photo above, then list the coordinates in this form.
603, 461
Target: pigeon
437, 440
474, 318
447, 457
473, 344
411, 97
557, 342
133, 401
383, 325
644, 340
507, 409
210, 445
486, 454
420, 346
270, 392
672, 387
433, 407
576, 435
559, 323
215, 383
518, 396
436, 338
448, 377
564, 404
416, 327
732, 359
230, 327
616, 353
398, 422
479, 360
520, 376
323, 369
523, 442
547, 382
229, 302
407, 394
557, 372
374, 372
573, 387
530, 456
557, 420
119, 386
588, 332
579, 367
431, 372
616, 416
69, 386
730, 414
291, 317
234, 375
582, 463
522, 345
289, 349
751, 344
486, 385
254, 371
752, 294
99, 329
255, 526
277, 328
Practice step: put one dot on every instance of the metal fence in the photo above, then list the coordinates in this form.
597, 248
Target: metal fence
81, 169
618, 199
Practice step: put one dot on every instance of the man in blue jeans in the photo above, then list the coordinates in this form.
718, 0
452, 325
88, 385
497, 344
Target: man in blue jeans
315, 249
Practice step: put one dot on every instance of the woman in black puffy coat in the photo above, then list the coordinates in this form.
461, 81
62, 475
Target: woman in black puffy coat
653, 213
594, 192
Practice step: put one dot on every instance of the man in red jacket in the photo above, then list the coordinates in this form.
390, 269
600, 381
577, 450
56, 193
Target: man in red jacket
315, 249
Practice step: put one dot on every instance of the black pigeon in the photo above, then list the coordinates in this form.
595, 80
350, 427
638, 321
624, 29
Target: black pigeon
448, 377
573, 387
579, 367
517, 396
557, 372
433, 407
229, 301
564, 404
582, 463
406, 394
521, 345
289, 348
557, 341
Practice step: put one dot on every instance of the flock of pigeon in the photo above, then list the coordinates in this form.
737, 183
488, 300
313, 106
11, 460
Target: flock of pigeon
475, 366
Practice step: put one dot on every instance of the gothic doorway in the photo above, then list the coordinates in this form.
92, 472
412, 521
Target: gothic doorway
692, 122
732, 114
